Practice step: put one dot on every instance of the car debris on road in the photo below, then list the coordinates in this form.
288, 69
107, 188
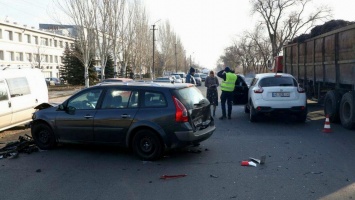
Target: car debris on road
24, 144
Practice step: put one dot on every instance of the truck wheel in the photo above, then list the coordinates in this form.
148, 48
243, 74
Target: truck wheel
147, 145
331, 105
347, 115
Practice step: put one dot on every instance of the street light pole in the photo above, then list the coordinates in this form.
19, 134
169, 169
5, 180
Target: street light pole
153, 73
176, 67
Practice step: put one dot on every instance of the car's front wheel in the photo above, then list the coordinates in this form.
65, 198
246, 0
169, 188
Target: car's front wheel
43, 136
147, 145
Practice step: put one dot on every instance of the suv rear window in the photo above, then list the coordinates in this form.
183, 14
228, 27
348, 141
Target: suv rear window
277, 81
190, 96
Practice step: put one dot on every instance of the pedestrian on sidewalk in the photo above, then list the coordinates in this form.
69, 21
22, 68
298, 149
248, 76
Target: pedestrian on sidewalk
227, 87
212, 83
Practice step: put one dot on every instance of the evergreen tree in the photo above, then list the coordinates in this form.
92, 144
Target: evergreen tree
109, 71
76, 70
66, 64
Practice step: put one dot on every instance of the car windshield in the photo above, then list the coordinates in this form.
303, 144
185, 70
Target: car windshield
277, 81
196, 75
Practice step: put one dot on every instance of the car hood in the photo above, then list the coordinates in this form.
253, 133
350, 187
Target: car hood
46, 105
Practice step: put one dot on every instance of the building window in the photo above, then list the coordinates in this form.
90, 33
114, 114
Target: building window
10, 56
1, 55
36, 57
18, 37
51, 59
61, 44
61, 59
72, 45
28, 38
45, 58
44, 41
56, 59
0, 33
55, 43
66, 44
19, 56
29, 57
9, 35
35, 39
50, 42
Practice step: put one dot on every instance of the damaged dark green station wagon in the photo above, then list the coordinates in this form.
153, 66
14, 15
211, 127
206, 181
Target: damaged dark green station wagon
148, 118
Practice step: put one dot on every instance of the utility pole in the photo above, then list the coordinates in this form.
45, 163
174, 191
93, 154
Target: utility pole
153, 50
154, 29
176, 70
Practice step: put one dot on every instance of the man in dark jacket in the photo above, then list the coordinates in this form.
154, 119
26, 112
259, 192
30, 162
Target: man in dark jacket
190, 76
227, 87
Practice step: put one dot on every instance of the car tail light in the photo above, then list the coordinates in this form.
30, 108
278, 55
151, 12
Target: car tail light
181, 112
300, 90
258, 90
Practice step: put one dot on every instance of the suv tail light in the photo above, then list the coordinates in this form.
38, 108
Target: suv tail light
258, 90
181, 112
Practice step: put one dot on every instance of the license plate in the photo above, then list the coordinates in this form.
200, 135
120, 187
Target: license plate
280, 94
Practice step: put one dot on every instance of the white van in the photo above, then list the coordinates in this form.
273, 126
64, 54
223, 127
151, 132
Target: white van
20, 91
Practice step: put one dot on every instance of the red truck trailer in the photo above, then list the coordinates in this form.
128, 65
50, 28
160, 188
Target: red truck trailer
325, 67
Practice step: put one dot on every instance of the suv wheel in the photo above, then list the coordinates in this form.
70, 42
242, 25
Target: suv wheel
246, 109
302, 117
43, 136
252, 113
147, 145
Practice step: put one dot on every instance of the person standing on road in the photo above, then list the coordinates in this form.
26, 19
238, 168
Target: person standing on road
227, 87
212, 83
190, 76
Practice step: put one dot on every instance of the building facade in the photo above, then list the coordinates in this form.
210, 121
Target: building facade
22, 46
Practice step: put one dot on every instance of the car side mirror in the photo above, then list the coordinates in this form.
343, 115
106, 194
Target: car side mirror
60, 107
70, 110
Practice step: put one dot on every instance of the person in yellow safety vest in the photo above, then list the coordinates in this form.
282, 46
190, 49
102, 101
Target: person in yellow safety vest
227, 87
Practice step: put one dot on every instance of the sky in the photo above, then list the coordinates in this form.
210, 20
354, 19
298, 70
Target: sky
205, 27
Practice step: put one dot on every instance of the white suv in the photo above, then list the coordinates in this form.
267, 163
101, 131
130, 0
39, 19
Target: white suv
276, 93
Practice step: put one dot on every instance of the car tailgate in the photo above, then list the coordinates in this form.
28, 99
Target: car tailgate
200, 115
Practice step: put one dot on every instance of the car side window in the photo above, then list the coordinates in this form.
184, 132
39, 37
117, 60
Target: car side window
133, 100
253, 82
116, 98
85, 100
3, 92
154, 99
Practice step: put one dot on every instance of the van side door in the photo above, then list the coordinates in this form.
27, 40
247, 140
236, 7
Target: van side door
5, 106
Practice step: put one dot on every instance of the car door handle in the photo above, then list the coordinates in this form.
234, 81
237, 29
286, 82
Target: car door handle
88, 117
125, 116
9, 104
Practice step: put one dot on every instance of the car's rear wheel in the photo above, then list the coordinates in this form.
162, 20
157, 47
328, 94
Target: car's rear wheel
252, 114
147, 145
331, 105
43, 136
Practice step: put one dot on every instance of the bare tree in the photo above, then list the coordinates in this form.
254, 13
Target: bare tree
286, 18
81, 13
167, 40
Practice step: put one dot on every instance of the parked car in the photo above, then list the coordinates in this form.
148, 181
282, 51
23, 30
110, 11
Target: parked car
178, 78
203, 77
198, 79
21, 90
182, 75
276, 93
53, 81
240, 93
148, 118
165, 79
117, 80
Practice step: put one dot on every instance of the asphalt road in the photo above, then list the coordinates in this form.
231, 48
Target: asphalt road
302, 162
